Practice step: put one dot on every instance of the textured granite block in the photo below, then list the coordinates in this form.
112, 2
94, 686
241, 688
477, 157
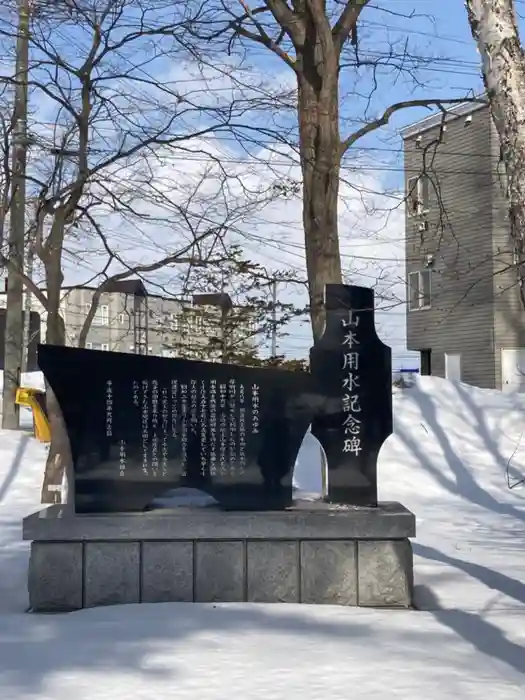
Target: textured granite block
329, 572
219, 572
55, 576
308, 521
112, 573
273, 572
167, 572
385, 573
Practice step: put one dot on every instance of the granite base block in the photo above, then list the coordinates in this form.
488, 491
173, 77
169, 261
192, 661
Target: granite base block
273, 562
329, 572
167, 572
55, 576
386, 573
219, 572
111, 573
389, 521
273, 572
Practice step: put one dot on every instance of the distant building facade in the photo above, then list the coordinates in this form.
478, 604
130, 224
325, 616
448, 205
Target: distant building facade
129, 319
464, 313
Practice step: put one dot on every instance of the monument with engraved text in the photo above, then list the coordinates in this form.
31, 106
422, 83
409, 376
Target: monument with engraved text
145, 428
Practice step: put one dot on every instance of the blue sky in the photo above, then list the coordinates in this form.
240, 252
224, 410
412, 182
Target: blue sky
439, 34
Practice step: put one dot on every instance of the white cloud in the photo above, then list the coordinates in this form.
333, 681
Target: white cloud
371, 225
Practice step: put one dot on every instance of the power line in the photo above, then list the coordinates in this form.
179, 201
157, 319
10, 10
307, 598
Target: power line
181, 154
365, 23
220, 137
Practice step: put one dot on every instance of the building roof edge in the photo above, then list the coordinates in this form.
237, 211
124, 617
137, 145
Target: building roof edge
462, 109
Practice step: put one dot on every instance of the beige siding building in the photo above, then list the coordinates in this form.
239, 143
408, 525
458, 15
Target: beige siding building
464, 314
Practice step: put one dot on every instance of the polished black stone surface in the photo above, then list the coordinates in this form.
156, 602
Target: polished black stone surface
354, 369
141, 426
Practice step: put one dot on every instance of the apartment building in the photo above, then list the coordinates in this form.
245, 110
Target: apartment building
129, 319
464, 313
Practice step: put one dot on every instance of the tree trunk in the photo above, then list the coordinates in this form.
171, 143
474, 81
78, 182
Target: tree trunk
59, 457
495, 30
14, 325
59, 462
318, 113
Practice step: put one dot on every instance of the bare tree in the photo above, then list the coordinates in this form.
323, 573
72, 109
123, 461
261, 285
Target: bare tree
494, 26
109, 123
231, 313
319, 42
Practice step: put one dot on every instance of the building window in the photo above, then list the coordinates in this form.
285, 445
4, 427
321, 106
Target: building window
418, 193
89, 346
101, 317
105, 347
419, 288
121, 319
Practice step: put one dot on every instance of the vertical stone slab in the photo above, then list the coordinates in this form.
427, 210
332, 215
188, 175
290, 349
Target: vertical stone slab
112, 573
386, 573
354, 372
55, 576
219, 572
167, 572
273, 572
329, 572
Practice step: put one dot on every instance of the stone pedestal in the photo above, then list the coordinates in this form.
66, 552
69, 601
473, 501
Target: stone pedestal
311, 554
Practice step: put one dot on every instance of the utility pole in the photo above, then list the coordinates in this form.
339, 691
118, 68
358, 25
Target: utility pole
14, 330
274, 317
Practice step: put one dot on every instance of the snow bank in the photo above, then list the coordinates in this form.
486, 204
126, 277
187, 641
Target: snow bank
22, 460
30, 380
453, 440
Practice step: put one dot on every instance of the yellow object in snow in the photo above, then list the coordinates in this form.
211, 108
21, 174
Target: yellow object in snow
36, 401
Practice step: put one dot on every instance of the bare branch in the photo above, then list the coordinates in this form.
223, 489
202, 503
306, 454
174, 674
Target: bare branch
347, 21
262, 37
398, 106
290, 21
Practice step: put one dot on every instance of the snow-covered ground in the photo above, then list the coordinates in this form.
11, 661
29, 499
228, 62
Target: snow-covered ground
447, 461
30, 380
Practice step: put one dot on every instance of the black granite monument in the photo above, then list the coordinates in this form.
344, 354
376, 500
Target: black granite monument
354, 369
141, 426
